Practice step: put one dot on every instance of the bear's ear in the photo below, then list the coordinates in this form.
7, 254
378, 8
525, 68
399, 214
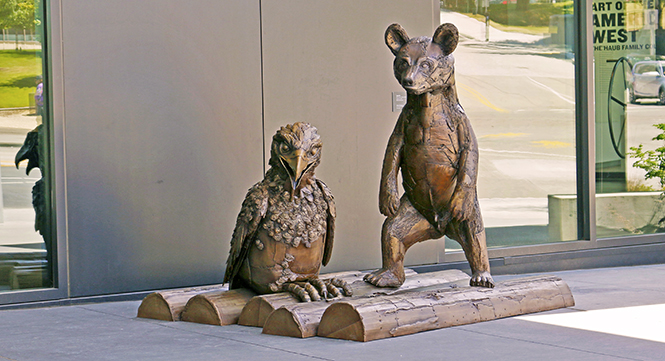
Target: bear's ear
396, 37
446, 36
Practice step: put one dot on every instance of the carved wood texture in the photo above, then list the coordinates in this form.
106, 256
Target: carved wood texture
369, 319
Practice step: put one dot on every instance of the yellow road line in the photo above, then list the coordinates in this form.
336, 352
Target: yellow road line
481, 98
503, 135
551, 144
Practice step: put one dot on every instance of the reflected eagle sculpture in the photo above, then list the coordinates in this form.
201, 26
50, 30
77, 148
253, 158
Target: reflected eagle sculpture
286, 225
435, 148
34, 151
31, 151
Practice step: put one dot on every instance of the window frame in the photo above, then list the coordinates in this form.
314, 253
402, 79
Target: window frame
52, 75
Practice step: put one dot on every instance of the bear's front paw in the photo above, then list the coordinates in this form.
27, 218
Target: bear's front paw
385, 278
389, 204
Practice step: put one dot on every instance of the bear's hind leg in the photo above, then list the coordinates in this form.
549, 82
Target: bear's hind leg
472, 239
401, 231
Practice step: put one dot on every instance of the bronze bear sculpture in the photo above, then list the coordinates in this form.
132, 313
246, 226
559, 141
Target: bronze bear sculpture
435, 148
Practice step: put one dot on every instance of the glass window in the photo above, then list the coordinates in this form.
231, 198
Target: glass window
515, 80
629, 44
25, 247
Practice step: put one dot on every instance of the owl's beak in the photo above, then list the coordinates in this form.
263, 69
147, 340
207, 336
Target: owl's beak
296, 166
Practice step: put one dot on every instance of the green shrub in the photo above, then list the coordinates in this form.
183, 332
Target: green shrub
651, 161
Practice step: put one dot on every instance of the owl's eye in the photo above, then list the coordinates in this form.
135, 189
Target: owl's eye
284, 148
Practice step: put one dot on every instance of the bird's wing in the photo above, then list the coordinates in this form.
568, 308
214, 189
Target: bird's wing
330, 228
253, 210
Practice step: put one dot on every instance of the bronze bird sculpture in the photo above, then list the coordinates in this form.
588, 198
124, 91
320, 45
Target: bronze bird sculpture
435, 148
31, 151
286, 225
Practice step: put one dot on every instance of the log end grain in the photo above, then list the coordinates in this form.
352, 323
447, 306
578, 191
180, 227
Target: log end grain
218, 307
199, 309
155, 306
256, 312
567, 295
341, 320
296, 320
281, 322
168, 305
250, 313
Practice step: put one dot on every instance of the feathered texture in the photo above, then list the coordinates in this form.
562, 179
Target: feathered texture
330, 230
290, 207
253, 209
296, 135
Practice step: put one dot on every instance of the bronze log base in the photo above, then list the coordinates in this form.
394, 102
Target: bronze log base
244, 306
168, 305
436, 150
302, 319
218, 308
259, 308
216, 305
367, 319
425, 302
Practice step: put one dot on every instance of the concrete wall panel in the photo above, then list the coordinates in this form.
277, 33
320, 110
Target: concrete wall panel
163, 137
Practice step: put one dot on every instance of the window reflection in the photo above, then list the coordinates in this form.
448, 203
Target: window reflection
630, 99
515, 80
24, 255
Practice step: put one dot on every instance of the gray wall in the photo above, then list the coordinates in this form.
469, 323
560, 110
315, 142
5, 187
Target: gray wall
162, 124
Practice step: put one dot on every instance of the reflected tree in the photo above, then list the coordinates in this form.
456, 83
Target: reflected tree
17, 15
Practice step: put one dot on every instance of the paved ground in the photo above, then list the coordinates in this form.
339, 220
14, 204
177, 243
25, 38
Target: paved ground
474, 29
628, 302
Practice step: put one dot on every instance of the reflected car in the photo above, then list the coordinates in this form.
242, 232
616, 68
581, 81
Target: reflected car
648, 81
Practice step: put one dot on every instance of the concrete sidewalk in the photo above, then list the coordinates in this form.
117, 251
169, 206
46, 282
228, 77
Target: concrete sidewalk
111, 331
476, 30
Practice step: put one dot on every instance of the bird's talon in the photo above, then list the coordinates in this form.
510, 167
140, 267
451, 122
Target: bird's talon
298, 291
312, 292
334, 291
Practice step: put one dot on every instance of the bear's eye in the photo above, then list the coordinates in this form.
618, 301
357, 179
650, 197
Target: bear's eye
402, 64
426, 65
